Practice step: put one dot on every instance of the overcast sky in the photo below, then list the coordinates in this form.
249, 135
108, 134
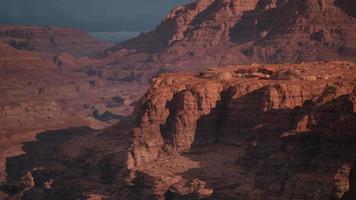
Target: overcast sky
104, 18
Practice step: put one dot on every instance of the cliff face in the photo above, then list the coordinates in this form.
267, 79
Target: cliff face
241, 132
311, 27
221, 32
51, 40
281, 129
45, 84
39, 94
205, 22
176, 105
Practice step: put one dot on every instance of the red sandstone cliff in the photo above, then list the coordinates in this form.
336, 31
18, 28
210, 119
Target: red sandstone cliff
222, 32
242, 132
40, 93
278, 130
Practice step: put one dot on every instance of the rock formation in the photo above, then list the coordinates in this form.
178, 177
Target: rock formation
221, 32
276, 135
282, 131
241, 132
39, 94
51, 40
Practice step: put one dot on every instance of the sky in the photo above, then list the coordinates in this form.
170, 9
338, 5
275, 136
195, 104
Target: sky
113, 20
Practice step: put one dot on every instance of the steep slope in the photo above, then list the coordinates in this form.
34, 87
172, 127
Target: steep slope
46, 85
243, 132
248, 133
205, 22
38, 94
221, 32
51, 40
313, 30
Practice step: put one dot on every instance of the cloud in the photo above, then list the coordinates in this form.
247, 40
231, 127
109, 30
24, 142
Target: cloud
89, 15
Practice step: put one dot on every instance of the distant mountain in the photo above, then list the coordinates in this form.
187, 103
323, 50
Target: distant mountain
50, 40
221, 32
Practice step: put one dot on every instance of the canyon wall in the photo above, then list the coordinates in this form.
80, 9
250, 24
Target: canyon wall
242, 132
208, 33
286, 130
40, 93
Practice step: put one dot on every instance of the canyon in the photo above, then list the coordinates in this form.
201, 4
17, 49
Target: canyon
51, 40
252, 133
246, 100
282, 131
41, 90
222, 32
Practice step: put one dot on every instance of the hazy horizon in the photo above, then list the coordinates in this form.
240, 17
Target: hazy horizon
105, 19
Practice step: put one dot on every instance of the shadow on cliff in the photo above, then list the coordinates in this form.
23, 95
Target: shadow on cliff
260, 24
70, 164
39, 154
348, 6
279, 162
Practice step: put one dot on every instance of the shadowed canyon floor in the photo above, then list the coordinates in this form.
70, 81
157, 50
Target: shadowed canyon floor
216, 123
39, 92
54, 78
241, 132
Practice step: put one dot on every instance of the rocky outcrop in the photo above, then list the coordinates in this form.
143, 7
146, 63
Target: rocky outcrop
205, 22
312, 27
284, 133
35, 89
37, 95
221, 32
46, 85
241, 132
179, 109
51, 40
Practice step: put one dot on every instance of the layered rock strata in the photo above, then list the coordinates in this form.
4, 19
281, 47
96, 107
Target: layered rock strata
241, 132
51, 40
38, 94
274, 130
221, 32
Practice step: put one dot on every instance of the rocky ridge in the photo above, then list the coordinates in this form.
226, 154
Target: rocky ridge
275, 132
39, 94
247, 132
48, 81
51, 40
240, 132
221, 32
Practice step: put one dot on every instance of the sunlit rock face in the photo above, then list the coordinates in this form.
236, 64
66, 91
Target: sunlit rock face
207, 33
284, 131
242, 132
262, 130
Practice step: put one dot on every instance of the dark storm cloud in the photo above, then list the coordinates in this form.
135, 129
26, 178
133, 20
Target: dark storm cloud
90, 15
